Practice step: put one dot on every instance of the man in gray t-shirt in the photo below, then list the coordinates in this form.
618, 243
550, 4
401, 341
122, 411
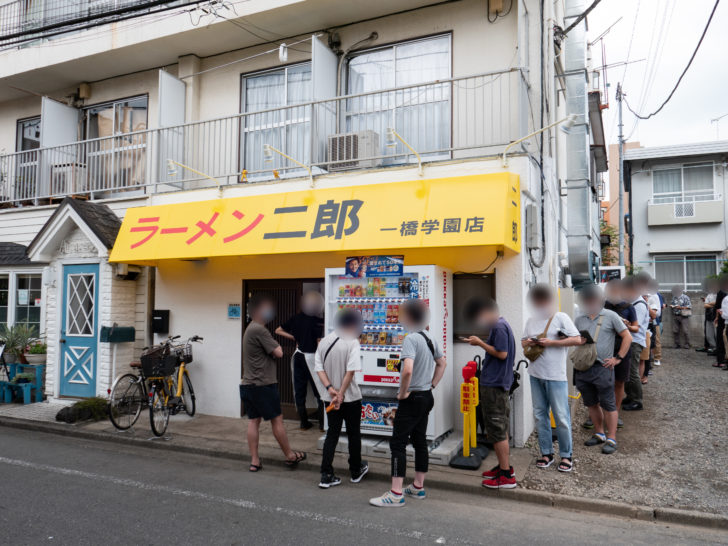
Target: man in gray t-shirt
416, 347
596, 384
422, 366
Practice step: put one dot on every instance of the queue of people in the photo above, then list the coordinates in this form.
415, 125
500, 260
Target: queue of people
612, 345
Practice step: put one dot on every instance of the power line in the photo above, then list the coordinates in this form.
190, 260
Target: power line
692, 57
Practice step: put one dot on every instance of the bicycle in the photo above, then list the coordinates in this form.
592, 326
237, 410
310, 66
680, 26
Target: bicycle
151, 387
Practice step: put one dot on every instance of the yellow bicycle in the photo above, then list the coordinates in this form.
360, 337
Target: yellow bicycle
170, 388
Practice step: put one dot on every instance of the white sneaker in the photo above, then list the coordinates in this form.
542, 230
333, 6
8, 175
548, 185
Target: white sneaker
412, 491
388, 500
657, 363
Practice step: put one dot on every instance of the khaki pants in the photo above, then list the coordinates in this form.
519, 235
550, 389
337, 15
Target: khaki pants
657, 353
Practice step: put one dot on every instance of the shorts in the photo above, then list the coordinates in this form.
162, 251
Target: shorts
621, 370
496, 407
596, 386
261, 401
645, 354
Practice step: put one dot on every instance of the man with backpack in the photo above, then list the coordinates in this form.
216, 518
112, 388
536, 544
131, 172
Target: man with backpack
594, 364
338, 357
422, 365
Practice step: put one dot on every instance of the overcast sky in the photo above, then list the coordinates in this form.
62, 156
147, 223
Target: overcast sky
665, 34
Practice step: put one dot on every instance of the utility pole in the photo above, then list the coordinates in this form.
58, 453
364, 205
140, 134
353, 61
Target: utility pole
621, 176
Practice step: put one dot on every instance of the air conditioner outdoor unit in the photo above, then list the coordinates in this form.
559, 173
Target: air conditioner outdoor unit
353, 150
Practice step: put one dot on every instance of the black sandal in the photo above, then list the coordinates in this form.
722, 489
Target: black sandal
565, 466
545, 461
255, 467
293, 463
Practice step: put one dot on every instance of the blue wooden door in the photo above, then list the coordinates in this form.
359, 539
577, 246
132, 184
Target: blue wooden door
79, 328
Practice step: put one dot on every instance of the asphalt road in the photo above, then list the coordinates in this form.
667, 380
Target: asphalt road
57, 490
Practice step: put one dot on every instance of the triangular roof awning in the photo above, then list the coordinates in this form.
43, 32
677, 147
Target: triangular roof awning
98, 222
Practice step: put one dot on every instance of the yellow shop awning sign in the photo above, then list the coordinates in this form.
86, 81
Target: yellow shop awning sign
460, 211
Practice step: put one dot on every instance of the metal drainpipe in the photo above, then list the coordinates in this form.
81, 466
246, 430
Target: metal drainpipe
578, 176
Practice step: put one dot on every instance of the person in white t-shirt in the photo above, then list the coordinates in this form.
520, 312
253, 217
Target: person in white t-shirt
337, 359
555, 332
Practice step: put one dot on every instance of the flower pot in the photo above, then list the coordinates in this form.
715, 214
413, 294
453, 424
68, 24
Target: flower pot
35, 358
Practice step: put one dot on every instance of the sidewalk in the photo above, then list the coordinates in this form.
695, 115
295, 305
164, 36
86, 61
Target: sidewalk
670, 465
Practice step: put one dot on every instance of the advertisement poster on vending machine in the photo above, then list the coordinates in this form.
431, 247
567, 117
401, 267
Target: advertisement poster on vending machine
378, 413
374, 266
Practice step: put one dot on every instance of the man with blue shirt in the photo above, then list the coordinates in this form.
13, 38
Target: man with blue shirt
495, 384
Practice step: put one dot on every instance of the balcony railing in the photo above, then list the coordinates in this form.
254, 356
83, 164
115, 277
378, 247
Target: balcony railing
684, 197
457, 118
21, 20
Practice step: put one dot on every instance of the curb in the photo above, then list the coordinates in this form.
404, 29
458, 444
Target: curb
543, 498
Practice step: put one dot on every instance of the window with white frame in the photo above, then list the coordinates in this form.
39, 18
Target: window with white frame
118, 143
21, 299
684, 184
271, 98
687, 271
419, 113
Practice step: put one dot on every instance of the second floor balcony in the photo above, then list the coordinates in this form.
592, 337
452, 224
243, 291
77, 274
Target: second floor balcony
443, 120
688, 207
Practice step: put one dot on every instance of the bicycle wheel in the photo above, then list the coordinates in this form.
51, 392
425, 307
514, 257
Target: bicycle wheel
188, 396
125, 401
158, 412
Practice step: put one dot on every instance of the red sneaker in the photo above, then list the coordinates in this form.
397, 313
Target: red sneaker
504, 480
493, 472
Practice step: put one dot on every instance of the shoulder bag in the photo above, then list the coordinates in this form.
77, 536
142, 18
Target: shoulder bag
532, 352
584, 356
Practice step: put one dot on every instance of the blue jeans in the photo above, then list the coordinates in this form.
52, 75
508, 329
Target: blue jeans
552, 395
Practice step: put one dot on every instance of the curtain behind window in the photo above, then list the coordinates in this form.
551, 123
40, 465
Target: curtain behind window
698, 179
697, 268
287, 129
669, 271
666, 181
420, 114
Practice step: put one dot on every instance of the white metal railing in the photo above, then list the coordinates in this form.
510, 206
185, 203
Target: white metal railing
684, 197
464, 117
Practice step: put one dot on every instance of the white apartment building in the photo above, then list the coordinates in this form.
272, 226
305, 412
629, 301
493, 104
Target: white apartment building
678, 211
377, 117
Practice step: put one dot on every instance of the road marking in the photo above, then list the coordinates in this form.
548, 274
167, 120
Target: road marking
240, 503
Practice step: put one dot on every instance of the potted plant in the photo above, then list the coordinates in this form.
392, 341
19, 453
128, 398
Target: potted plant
16, 339
36, 352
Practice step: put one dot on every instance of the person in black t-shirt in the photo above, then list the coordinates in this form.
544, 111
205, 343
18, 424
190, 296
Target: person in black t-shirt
306, 329
720, 325
617, 302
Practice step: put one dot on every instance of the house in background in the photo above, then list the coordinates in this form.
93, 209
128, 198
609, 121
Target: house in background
678, 209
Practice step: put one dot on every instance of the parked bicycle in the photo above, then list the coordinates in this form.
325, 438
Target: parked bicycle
162, 384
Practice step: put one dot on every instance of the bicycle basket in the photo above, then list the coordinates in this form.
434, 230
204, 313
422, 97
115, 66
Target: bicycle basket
185, 354
158, 365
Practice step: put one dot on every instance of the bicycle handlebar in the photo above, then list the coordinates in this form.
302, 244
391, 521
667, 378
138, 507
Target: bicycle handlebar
196, 338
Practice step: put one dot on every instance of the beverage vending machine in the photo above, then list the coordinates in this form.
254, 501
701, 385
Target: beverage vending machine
378, 299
